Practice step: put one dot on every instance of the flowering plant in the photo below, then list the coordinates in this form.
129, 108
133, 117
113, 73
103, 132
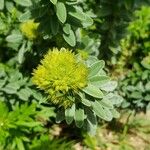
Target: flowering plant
80, 88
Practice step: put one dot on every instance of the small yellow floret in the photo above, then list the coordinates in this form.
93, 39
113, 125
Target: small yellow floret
29, 29
59, 74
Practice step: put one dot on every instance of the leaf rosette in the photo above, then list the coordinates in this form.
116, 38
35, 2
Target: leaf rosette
80, 88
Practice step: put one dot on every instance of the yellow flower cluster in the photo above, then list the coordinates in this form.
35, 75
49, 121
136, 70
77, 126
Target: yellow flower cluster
59, 74
29, 29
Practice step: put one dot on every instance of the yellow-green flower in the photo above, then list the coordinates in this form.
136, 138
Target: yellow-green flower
29, 29
60, 74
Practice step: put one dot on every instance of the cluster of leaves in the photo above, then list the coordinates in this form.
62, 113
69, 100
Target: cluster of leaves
134, 62
135, 89
14, 88
58, 19
13, 44
111, 18
96, 100
44, 143
19, 124
59, 24
130, 127
137, 41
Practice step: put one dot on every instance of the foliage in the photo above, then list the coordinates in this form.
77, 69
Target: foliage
111, 18
75, 81
136, 90
135, 56
14, 88
45, 143
137, 41
87, 95
127, 133
17, 124
58, 19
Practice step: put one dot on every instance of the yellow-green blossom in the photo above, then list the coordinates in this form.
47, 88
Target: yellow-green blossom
59, 74
29, 29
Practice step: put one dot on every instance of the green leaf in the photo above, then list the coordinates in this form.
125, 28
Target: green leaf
53, 1
91, 116
79, 117
70, 38
25, 16
92, 122
9, 6
3, 26
91, 59
147, 97
69, 114
61, 12
96, 67
140, 87
106, 103
136, 95
2, 71
19, 143
93, 91
3, 110
60, 116
145, 75
37, 96
114, 98
147, 86
46, 112
54, 25
15, 76
78, 14
101, 112
1, 4
109, 86
24, 94
88, 21
14, 38
21, 53
67, 28
83, 18
25, 3
11, 88
86, 102
115, 113
131, 88
98, 80
28, 124
2, 83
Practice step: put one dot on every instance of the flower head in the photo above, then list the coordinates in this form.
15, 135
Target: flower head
61, 74
29, 29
